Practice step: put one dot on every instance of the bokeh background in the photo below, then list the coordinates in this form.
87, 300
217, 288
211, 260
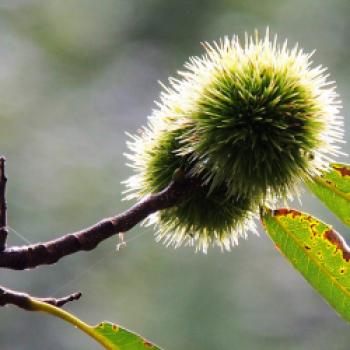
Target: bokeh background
74, 76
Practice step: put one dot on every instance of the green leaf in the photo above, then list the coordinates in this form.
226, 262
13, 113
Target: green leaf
333, 189
109, 335
122, 339
318, 252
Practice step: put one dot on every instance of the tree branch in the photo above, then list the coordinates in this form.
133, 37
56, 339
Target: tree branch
24, 301
3, 206
30, 256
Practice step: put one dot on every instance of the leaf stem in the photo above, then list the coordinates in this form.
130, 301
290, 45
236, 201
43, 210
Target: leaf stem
36, 305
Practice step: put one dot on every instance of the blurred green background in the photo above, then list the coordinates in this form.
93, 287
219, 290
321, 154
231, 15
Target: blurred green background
74, 76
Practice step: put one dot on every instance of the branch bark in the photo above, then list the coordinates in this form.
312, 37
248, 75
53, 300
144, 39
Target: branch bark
3, 206
30, 256
24, 301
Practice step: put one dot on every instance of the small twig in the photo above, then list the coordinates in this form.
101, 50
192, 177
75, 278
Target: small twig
59, 302
3, 206
30, 256
24, 301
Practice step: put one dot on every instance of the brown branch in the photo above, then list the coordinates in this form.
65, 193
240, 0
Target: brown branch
26, 257
59, 302
3, 206
23, 300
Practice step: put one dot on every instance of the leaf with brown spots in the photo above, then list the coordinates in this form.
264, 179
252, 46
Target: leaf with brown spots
333, 189
109, 335
122, 339
318, 252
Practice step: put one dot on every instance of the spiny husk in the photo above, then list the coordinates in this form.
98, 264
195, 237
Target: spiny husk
250, 121
260, 118
205, 217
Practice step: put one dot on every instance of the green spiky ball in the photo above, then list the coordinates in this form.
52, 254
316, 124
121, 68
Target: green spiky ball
204, 217
255, 129
261, 118
250, 121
